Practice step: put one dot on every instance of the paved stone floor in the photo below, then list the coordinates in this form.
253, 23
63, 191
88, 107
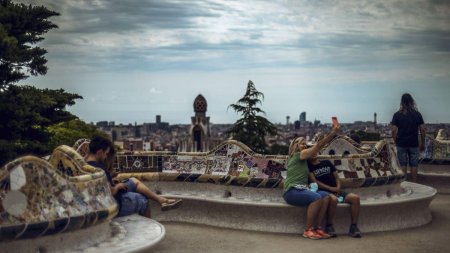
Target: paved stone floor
433, 237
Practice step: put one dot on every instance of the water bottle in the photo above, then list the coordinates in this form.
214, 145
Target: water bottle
313, 187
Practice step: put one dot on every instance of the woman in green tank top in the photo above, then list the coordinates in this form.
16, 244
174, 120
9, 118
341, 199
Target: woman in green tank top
296, 191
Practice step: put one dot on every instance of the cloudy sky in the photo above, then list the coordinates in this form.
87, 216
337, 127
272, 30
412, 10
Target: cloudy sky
134, 59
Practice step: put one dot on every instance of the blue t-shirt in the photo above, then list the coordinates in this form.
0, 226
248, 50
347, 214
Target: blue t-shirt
408, 128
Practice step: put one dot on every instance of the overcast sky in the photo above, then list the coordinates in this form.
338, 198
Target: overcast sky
134, 59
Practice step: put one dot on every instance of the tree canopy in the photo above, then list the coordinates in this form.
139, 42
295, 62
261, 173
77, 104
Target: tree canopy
252, 128
26, 111
68, 132
21, 27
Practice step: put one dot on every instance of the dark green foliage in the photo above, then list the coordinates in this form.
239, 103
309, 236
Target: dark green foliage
25, 114
69, 132
21, 26
25, 111
252, 128
277, 149
365, 136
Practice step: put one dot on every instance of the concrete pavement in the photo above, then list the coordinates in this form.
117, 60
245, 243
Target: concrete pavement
433, 237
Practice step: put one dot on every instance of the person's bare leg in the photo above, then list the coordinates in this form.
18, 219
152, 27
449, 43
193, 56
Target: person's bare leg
332, 205
311, 212
322, 211
148, 212
144, 190
354, 202
414, 174
405, 171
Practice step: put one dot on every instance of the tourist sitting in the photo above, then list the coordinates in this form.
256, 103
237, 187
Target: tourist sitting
296, 190
131, 194
325, 175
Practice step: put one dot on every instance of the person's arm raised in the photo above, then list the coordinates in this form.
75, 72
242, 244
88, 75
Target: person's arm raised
309, 152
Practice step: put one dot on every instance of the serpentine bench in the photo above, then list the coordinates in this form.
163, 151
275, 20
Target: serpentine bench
231, 186
52, 206
437, 150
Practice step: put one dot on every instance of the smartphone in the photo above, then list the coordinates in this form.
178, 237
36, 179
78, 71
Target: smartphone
335, 121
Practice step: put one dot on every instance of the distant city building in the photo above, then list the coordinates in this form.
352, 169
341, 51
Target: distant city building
302, 117
132, 144
199, 136
375, 120
102, 124
297, 124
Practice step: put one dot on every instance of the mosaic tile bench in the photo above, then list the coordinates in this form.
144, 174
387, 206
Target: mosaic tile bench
48, 206
437, 150
232, 186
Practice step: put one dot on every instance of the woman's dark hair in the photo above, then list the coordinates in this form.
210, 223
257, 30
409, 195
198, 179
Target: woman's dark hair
407, 103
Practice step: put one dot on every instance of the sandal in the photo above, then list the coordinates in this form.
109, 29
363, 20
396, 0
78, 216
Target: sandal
171, 204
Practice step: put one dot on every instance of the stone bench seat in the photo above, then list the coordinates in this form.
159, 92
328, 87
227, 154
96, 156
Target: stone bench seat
240, 208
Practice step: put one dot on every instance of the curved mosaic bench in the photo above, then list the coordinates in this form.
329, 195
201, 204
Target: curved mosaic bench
233, 187
233, 163
41, 198
437, 149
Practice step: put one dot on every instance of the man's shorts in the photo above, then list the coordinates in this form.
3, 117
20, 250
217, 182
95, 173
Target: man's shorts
408, 155
325, 193
131, 201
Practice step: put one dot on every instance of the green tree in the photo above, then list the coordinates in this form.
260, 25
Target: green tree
26, 111
367, 136
25, 114
68, 132
252, 128
21, 27
277, 149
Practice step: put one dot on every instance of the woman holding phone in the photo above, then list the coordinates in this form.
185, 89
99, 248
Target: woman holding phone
296, 191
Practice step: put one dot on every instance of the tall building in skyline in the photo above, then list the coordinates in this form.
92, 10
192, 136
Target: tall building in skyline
199, 136
302, 117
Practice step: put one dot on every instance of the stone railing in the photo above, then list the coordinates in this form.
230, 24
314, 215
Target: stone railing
40, 197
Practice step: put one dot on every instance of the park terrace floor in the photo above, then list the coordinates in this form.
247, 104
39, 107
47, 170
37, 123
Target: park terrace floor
432, 237
190, 238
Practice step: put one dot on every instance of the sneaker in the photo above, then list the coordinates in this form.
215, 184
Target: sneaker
311, 234
322, 233
171, 204
354, 231
330, 230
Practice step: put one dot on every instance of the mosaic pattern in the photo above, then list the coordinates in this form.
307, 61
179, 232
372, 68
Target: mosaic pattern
437, 149
82, 147
441, 146
233, 163
343, 145
40, 198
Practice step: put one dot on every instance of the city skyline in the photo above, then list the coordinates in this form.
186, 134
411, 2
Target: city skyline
136, 59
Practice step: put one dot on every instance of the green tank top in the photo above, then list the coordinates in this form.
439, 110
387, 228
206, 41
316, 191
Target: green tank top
297, 172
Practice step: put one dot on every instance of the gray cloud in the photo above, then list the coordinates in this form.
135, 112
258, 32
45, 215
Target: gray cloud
355, 41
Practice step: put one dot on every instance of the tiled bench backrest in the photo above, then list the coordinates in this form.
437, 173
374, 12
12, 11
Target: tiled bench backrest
233, 163
437, 148
40, 197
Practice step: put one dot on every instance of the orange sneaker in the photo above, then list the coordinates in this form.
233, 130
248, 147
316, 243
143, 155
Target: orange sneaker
311, 234
322, 233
